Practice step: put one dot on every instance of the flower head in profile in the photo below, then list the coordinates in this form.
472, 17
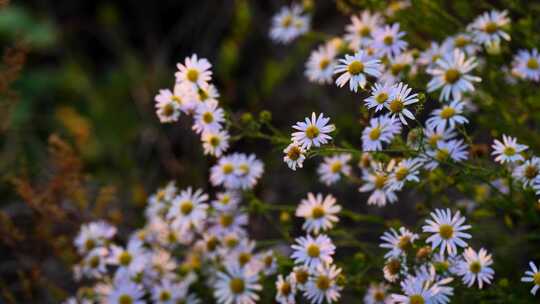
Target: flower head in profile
286, 289
377, 180
463, 42
354, 69
381, 130
288, 24
533, 276
398, 242
313, 251
380, 95
528, 173
312, 132
332, 168
194, 71
475, 267
526, 65
447, 231
507, 151
405, 170
215, 142
449, 115
320, 213
361, 29
388, 41
322, 284
237, 285
452, 150
378, 293
430, 56
488, 28
452, 74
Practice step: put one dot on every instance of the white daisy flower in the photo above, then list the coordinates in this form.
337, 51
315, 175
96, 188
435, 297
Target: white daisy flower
533, 276
447, 231
433, 136
400, 98
126, 291
463, 42
288, 24
430, 56
354, 70
208, 117
228, 222
378, 294
320, 65
286, 289
132, 259
188, 209
331, 169
508, 151
454, 150
236, 285
320, 213
93, 235
396, 67
194, 70
322, 284
392, 270
94, 264
452, 74
376, 179
223, 172
405, 170
381, 129
268, 262
388, 42
398, 243
167, 109
527, 65
380, 96
311, 251
415, 291
248, 170
488, 28
313, 132
227, 201
300, 276
528, 172
449, 115
359, 33
215, 142
443, 264
206, 92
294, 156
167, 292
475, 267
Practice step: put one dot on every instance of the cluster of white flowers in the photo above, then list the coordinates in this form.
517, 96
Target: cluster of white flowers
289, 23
314, 273
195, 95
424, 271
186, 236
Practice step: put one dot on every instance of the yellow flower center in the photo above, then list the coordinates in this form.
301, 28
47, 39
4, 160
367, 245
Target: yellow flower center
168, 110
475, 267
125, 258
287, 21
364, 31
237, 285
211, 244
388, 40
244, 169
433, 139
89, 244
323, 282
214, 141
396, 68
203, 95
396, 105
208, 117
452, 76
393, 266
176, 99
192, 75
301, 276
312, 132
381, 98
244, 258
294, 153
317, 212
461, 41
441, 266
313, 251
491, 27
285, 289
509, 151
401, 173
164, 296
531, 172
336, 167
442, 155
435, 57
536, 278
227, 168
379, 296
125, 299
356, 67
375, 133
226, 220
416, 299
323, 64
447, 112
533, 64
94, 262
446, 231
380, 181
231, 242
186, 207
404, 242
